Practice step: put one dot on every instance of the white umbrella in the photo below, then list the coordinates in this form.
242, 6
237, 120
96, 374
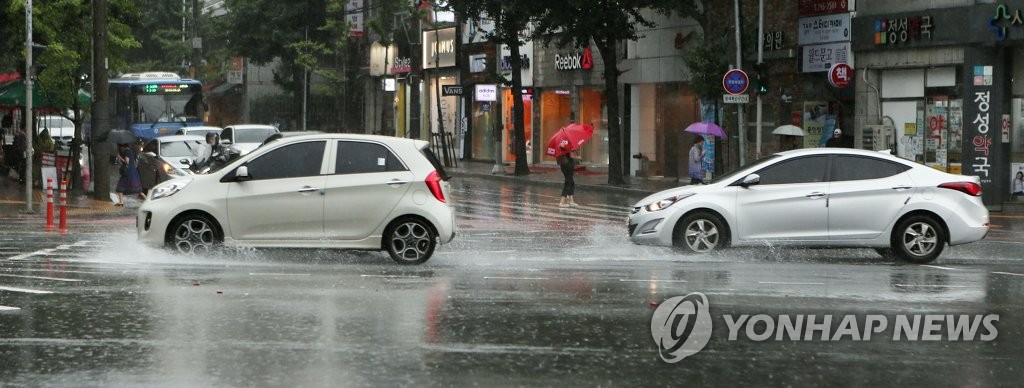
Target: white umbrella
791, 130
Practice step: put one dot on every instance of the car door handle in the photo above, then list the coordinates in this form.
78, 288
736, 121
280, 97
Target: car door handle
815, 195
396, 182
308, 189
901, 188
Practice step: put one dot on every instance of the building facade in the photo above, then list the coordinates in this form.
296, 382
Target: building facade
937, 84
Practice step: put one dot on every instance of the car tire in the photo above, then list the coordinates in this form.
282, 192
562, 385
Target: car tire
193, 233
410, 240
918, 239
700, 232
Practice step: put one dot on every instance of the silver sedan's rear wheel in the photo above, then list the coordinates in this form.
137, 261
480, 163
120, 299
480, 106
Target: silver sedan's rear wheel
919, 239
410, 241
193, 233
701, 232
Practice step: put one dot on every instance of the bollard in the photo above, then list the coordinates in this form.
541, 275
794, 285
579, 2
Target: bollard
49, 204
63, 206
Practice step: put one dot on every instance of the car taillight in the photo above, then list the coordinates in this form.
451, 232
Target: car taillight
969, 188
434, 184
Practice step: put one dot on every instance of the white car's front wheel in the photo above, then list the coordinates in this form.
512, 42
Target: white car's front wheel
193, 233
700, 232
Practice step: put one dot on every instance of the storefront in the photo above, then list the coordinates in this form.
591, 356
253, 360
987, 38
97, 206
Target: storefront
442, 90
571, 88
507, 101
937, 86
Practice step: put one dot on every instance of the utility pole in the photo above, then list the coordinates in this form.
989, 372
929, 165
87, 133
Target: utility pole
760, 67
197, 42
98, 144
29, 131
740, 114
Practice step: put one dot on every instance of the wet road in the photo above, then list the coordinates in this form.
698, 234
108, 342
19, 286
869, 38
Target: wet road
527, 294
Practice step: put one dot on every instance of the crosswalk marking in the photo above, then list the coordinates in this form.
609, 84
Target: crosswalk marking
24, 290
40, 278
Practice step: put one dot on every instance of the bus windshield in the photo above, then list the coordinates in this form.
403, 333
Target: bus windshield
167, 107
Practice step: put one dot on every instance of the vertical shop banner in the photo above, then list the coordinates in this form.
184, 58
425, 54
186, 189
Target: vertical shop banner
354, 17
983, 92
815, 114
707, 113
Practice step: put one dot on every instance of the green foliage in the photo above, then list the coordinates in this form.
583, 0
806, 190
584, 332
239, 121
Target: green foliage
707, 62
65, 28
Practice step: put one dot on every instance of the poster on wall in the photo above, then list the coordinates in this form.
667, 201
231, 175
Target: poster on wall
1017, 181
707, 113
815, 114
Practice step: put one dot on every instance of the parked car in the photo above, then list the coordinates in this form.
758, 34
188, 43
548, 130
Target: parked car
166, 157
245, 137
820, 197
199, 130
60, 128
339, 191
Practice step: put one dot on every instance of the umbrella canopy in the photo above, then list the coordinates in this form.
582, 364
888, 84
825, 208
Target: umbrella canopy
791, 130
705, 128
568, 139
13, 94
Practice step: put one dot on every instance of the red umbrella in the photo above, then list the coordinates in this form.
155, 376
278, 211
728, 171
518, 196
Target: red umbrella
568, 139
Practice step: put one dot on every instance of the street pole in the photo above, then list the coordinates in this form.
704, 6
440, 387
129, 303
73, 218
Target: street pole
740, 114
760, 67
29, 132
100, 147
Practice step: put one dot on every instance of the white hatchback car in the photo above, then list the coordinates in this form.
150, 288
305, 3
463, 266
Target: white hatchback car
820, 197
244, 138
313, 191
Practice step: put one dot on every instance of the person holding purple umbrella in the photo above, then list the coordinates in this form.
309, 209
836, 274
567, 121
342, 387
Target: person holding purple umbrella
696, 156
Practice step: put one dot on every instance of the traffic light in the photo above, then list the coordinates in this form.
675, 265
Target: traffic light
761, 83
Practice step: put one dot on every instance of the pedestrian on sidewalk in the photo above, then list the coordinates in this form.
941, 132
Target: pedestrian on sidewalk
130, 181
696, 161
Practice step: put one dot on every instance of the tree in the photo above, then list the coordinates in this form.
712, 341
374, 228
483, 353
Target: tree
65, 29
511, 18
605, 23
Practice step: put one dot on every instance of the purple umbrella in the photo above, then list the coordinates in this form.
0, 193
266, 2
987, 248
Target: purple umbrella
705, 128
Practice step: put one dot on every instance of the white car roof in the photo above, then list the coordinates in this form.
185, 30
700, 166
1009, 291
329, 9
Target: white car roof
170, 138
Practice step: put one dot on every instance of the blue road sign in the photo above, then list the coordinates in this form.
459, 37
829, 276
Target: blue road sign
735, 81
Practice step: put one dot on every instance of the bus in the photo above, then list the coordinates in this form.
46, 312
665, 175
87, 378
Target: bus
153, 104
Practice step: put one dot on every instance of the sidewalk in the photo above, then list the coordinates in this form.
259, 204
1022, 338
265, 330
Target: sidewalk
12, 203
587, 178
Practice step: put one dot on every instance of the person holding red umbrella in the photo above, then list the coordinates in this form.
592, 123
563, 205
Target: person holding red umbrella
568, 165
561, 146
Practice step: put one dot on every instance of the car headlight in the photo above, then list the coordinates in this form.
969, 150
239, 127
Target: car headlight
169, 188
173, 171
662, 204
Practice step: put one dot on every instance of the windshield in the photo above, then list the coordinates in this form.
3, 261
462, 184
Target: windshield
253, 135
187, 148
731, 175
167, 107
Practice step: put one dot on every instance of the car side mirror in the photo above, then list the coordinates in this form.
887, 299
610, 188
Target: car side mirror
150, 154
242, 174
185, 162
751, 180
225, 142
